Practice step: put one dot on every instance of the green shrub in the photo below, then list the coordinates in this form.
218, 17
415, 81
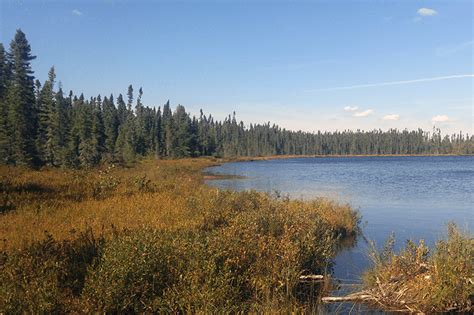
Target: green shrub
41, 277
142, 184
133, 271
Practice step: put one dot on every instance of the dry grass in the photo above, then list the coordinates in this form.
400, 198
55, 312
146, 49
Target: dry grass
154, 238
420, 280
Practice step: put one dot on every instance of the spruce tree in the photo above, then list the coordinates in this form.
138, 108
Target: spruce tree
48, 131
5, 76
181, 133
111, 124
167, 129
121, 110
22, 117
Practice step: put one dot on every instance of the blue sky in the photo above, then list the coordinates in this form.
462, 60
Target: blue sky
311, 65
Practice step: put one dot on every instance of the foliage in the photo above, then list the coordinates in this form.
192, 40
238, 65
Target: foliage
41, 126
43, 277
416, 280
158, 243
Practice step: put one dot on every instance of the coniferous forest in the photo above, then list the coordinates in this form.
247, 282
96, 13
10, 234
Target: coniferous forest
40, 124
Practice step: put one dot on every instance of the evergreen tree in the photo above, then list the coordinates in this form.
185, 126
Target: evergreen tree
5, 76
121, 110
181, 133
130, 98
38, 124
48, 134
167, 129
22, 117
111, 124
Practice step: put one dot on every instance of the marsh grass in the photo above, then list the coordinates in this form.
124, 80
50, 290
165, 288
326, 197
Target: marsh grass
153, 238
420, 279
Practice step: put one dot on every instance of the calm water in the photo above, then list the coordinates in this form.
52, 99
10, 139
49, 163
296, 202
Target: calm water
413, 197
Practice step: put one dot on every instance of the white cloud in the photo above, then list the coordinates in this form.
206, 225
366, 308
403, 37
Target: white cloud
391, 117
426, 12
365, 113
439, 118
76, 12
351, 108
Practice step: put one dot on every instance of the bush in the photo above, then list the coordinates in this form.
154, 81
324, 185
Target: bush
41, 277
414, 280
132, 272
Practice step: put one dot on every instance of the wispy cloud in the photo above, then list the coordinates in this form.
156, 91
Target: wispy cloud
359, 86
351, 108
365, 113
449, 50
76, 12
426, 12
391, 117
440, 118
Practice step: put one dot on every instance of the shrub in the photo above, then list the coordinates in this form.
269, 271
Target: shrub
415, 280
41, 277
132, 272
105, 185
142, 184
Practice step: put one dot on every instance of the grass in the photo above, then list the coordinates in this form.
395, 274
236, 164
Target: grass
154, 238
422, 280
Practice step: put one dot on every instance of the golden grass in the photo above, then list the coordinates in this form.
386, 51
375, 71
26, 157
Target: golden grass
69, 236
422, 280
61, 201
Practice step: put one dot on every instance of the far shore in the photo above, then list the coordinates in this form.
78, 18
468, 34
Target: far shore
294, 156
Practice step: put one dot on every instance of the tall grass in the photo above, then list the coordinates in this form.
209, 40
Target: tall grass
419, 279
153, 238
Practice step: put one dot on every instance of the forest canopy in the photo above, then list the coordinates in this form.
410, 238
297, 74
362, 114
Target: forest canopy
40, 124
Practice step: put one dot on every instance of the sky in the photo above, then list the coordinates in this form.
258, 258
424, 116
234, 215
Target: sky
304, 65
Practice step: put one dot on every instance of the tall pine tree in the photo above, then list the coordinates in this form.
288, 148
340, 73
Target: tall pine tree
22, 117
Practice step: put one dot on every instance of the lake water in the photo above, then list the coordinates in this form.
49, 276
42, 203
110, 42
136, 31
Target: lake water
414, 197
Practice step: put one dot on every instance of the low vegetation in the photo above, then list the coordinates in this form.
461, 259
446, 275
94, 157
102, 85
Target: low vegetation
421, 280
153, 238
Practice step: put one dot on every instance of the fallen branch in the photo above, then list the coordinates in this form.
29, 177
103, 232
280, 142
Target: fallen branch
354, 297
311, 277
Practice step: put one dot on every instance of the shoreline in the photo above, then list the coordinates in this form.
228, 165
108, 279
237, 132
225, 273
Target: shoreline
294, 156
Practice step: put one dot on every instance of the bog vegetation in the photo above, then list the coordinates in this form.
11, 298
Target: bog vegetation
40, 124
80, 235
153, 238
422, 280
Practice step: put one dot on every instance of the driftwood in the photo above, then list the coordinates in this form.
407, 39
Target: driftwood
354, 297
312, 278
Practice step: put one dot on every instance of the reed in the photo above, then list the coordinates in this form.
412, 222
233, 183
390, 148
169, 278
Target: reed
423, 280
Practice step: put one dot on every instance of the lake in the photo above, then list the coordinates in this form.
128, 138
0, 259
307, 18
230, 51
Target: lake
413, 197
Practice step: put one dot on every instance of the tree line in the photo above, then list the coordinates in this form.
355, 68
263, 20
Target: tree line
40, 124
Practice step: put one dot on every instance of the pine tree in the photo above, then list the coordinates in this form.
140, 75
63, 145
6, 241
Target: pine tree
121, 110
48, 132
111, 124
22, 117
5, 76
181, 133
157, 134
87, 147
167, 129
98, 130
130, 98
